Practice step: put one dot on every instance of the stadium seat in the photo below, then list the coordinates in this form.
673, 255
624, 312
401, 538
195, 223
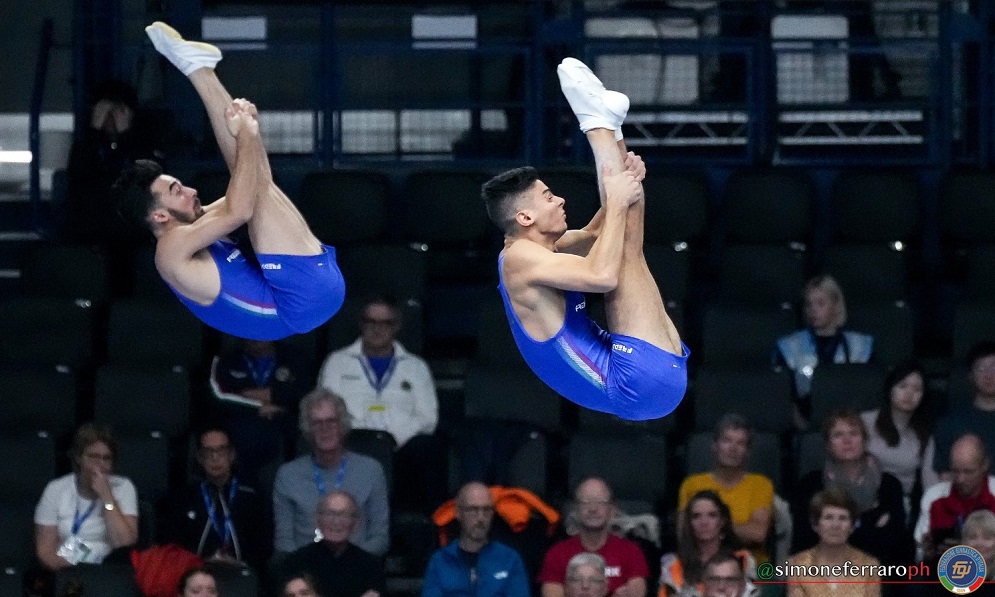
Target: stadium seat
137, 400
144, 459
967, 208
236, 580
385, 269
734, 335
763, 396
17, 539
811, 453
771, 207
853, 387
27, 464
495, 343
38, 398
148, 334
973, 323
637, 483
676, 208
891, 326
106, 579
378, 445
868, 273
761, 274
345, 207
36, 331
892, 215
78, 273
671, 269
510, 394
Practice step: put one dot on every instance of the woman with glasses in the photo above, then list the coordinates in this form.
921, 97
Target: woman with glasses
84, 516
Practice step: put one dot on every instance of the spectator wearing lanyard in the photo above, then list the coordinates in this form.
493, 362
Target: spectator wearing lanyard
387, 388
86, 515
302, 482
220, 518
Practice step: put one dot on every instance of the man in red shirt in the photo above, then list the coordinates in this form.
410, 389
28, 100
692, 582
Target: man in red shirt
948, 503
625, 565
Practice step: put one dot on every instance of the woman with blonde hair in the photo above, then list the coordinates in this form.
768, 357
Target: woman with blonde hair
822, 340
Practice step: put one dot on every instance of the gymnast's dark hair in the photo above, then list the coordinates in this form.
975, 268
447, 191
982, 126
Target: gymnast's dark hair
133, 190
499, 195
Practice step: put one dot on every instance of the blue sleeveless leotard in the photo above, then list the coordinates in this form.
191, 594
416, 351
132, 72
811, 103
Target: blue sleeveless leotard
596, 369
284, 295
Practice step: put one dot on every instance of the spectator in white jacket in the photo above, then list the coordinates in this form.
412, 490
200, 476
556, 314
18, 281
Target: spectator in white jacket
386, 388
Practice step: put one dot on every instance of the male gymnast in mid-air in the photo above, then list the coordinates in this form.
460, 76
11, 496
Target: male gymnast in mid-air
637, 369
296, 285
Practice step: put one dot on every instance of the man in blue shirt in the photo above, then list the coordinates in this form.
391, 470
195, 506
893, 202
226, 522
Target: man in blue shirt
473, 564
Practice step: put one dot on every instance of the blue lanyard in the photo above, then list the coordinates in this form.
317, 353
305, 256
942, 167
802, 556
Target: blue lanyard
79, 520
371, 375
319, 480
223, 528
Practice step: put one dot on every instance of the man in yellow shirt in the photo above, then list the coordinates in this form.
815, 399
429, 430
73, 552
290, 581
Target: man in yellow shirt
750, 496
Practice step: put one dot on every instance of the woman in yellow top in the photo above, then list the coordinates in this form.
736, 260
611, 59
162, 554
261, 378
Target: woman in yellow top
832, 512
707, 530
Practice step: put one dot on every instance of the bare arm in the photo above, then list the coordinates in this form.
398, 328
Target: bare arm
754, 531
46, 546
531, 264
579, 242
552, 589
122, 529
233, 210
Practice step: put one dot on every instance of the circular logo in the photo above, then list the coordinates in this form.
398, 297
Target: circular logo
962, 569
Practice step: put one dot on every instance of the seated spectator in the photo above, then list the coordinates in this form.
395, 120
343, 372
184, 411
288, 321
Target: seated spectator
824, 340
833, 513
197, 582
706, 531
899, 433
724, 577
978, 417
880, 514
302, 482
979, 533
387, 388
749, 496
586, 576
625, 564
340, 568
220, 518
474, 564
300, 585
947, 504
84, 516
257, 389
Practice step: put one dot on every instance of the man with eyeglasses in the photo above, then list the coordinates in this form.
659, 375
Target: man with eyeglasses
473, 564
387, 388
586, 576
724, 577
301, 483
625, 568
341, 568
219, 518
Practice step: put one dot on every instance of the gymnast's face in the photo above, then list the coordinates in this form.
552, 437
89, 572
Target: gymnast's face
546, 209
175, 201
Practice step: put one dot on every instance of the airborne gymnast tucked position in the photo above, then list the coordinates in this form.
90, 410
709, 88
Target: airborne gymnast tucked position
296, 285
637, 369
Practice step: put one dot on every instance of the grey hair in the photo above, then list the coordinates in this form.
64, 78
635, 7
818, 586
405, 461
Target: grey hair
979, 521
316, 397
586, 558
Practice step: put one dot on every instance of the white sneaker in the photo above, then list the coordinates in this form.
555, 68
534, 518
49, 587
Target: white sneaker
187, 56
594, 106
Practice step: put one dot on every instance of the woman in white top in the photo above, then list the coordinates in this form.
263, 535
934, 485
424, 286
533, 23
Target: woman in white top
900, 434
85, 515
